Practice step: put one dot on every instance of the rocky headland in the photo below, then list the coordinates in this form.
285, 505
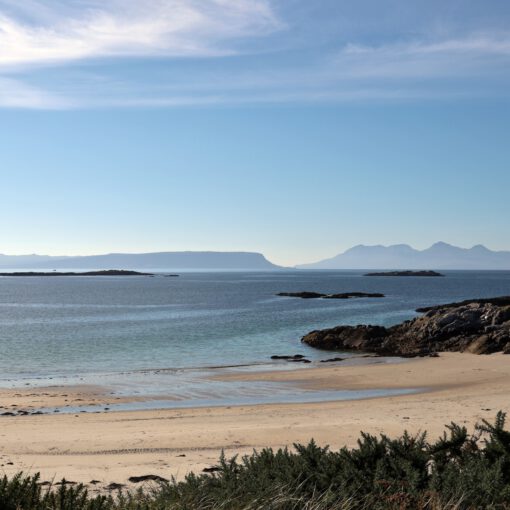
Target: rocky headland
406, 273
318, 295
478, 326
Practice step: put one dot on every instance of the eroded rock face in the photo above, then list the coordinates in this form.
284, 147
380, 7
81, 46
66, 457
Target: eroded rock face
477, 327
346, 337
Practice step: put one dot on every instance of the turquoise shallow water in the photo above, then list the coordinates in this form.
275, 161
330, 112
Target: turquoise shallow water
240, 396
161, 335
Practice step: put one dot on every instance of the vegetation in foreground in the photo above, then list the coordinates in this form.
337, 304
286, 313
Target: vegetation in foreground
458, 471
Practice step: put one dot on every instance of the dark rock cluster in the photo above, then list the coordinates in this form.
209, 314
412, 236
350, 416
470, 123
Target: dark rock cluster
297, 358
406, 273
342, 295
478, 327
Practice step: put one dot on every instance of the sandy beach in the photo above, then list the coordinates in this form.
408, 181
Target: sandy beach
112, 446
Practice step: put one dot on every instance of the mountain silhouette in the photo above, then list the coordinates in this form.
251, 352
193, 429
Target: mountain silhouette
402, 256
188, 260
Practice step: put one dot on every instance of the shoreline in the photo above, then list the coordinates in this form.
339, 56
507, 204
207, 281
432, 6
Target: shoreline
459, 387
174, 388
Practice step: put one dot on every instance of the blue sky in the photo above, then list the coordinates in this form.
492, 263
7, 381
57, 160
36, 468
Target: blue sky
293, 128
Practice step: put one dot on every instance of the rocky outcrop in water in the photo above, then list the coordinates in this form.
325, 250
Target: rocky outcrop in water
296, 358
478, 326
342, 295
406, 273
291, 357
105, 272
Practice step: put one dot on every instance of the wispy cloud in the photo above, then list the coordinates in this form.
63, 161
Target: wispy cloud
64, 31
402, 71
36, 35
17, 94
425, 59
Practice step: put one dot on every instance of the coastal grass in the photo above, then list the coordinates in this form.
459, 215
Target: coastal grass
458, 471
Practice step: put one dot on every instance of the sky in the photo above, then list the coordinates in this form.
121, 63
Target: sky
293, 128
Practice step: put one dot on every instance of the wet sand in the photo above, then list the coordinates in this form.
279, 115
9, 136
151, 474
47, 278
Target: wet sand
112, 446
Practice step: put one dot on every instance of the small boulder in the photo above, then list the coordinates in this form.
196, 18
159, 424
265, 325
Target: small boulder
147, 478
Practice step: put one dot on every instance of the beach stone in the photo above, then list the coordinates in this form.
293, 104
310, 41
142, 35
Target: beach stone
213, 469
114, 486
147, 478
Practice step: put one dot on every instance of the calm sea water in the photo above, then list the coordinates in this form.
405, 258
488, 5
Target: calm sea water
119, 329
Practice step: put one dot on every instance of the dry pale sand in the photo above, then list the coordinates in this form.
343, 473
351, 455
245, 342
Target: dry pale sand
112, 446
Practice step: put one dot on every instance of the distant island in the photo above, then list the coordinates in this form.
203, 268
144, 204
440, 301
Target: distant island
402, 257
106, 272
166, 261
318, 295
405, 273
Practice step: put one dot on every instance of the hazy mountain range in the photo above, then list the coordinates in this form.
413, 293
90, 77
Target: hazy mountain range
164, 260
402, 256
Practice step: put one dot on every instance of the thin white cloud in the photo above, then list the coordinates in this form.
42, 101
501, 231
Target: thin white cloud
405, 71
418, 59
486, 44
16, 94
64, 31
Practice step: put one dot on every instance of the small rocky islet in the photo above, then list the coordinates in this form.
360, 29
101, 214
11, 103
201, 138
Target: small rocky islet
104, 272
342, 295
406, 273
479, 326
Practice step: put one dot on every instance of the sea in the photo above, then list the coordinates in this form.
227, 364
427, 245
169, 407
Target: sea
166, 339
